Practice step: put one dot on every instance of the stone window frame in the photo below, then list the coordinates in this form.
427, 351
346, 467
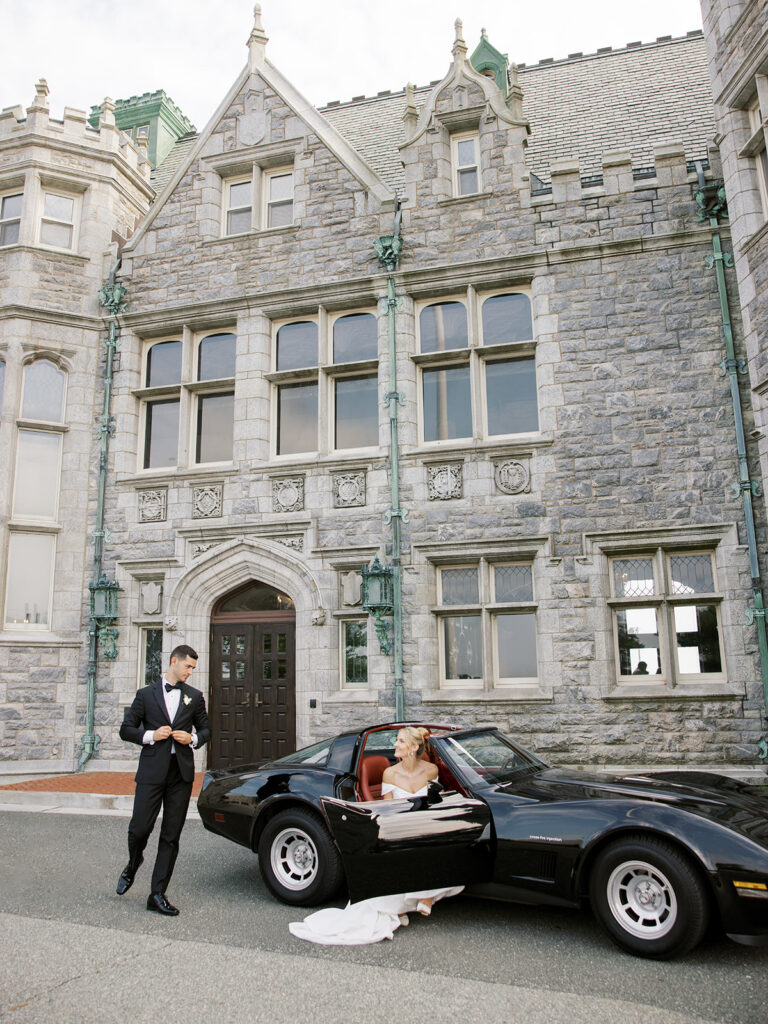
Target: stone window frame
489, 611
664, 601
188, 392
143, 629
61, 190
456, 167
258, 169
757, 147
478, 356
344, 618
37, 526
325, 373
11, 192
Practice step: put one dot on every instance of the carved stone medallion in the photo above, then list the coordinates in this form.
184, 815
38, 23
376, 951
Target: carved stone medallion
444, 482
206, 502
288, 494
512, 476
348, 489
153, 505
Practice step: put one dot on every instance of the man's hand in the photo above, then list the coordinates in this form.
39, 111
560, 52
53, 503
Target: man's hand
162, 733
180, 736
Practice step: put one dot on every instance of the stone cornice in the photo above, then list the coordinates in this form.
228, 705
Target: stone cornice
51, 316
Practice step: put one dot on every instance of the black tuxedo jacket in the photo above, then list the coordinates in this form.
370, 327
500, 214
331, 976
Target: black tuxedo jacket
148, 711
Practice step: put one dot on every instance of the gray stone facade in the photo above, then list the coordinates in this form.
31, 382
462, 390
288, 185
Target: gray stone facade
631, 456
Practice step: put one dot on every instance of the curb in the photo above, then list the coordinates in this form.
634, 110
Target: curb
72, 802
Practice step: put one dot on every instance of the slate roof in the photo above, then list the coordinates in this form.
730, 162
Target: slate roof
583, 105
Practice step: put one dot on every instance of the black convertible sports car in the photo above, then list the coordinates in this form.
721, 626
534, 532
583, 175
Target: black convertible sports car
656, 855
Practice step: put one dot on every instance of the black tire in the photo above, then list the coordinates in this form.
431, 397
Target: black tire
649, 898
298, 860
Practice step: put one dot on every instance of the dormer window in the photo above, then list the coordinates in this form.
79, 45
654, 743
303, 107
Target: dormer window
239, 206
466, 166
278, 198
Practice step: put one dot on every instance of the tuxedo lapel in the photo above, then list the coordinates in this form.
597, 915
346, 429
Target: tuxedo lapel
182, 695
157, 693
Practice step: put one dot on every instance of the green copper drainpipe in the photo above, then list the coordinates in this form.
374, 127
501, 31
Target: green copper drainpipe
713, 205
388, 249
111, 299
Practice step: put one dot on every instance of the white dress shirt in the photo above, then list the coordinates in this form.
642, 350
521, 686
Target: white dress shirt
171, 698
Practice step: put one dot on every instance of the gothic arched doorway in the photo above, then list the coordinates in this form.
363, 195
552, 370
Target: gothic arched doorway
253, 676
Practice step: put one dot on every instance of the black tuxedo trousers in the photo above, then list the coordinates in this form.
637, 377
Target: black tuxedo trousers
164, 777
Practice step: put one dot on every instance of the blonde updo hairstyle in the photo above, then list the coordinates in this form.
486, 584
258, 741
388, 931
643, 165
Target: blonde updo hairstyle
416, 736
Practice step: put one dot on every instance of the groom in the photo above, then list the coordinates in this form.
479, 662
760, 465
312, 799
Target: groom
160, 720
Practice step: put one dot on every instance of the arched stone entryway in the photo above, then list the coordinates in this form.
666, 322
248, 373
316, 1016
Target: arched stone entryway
252, 676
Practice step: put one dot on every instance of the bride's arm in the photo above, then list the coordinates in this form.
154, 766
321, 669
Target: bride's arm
387, 777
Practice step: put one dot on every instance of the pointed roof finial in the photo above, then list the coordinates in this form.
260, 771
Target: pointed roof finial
459, 47
483, 34
257, 41
411, 114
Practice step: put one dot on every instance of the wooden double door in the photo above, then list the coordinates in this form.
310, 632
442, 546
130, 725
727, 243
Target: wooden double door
253, 690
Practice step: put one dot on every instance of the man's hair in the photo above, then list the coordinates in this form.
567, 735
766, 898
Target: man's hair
183, 651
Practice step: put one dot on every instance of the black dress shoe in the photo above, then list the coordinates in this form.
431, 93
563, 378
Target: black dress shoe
156, 901
125, 881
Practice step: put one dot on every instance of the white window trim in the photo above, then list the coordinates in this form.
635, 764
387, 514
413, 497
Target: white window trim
664, 602
266, 205
478, 356
187, 392
456, 167
76, 199
7, 193
226, 209
31, 626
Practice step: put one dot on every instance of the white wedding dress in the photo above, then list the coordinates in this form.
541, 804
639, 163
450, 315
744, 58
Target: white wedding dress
372, 920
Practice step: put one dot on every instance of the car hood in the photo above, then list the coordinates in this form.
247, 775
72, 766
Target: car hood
735, 804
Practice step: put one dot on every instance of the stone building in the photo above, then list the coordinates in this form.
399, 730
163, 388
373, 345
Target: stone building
475, 314
67, 191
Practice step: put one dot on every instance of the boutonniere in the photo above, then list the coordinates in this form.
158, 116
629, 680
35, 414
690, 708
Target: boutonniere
187, 700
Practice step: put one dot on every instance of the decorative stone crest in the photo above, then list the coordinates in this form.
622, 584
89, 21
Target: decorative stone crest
512, 476
153, 505
444, 482
348, 489
206, 501
151, 598
351, 588
295, 542
288, 494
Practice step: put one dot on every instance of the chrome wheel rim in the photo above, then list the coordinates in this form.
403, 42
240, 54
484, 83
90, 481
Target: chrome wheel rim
642, 899
293, 857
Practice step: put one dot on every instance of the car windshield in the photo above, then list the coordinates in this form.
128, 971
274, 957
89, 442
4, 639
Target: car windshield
489, 757
316, 754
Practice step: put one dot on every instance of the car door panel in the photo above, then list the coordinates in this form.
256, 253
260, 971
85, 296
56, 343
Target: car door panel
392, 846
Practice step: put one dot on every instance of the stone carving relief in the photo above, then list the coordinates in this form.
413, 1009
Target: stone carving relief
202, 548
348, 489
206, 501
295, 542
171, 623
252, 125
318, 617
153, 505
512, 476
351, 588
444, 482
151, 598
288, 494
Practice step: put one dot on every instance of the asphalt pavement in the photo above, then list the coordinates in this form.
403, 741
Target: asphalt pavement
73, 951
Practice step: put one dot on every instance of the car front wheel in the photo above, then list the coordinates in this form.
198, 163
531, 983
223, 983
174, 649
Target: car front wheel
649, 898
298, 860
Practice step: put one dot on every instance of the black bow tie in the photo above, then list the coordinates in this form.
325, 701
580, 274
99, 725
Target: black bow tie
169, 687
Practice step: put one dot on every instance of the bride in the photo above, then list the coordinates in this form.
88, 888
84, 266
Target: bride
375, 919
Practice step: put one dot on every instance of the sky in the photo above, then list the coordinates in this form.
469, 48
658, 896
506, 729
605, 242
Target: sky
331, 50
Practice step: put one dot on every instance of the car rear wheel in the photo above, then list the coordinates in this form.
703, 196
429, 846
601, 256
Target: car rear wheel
649, 898
298, 860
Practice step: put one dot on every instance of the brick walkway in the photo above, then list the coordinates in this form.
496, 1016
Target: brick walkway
111, 783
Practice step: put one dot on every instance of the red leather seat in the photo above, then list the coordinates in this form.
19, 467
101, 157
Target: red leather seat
371, 771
